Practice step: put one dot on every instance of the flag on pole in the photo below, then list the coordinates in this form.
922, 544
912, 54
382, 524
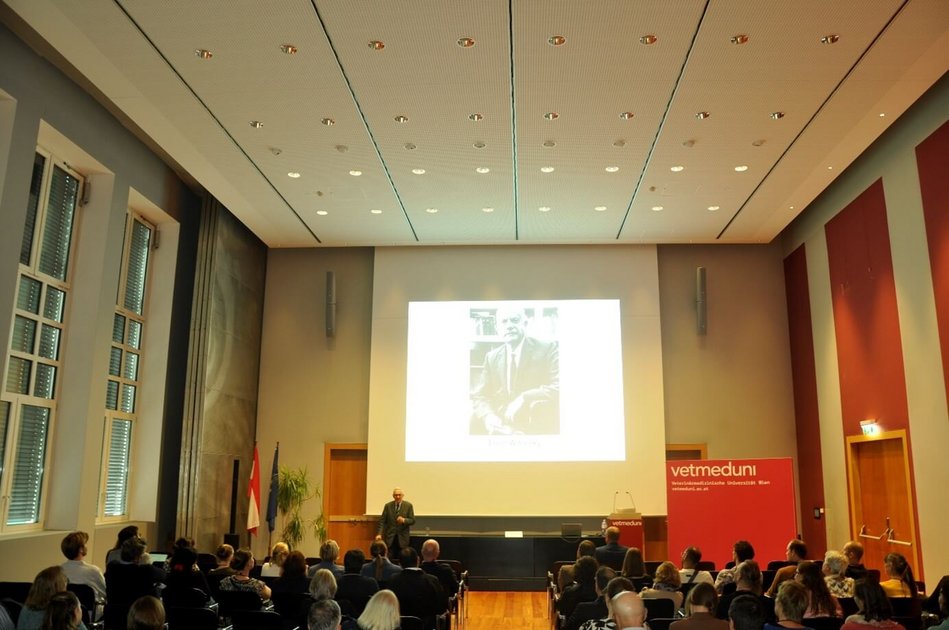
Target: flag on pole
253, 491
274, 490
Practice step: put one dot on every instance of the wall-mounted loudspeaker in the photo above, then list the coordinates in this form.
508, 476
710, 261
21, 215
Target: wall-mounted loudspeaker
701, 307
330, 304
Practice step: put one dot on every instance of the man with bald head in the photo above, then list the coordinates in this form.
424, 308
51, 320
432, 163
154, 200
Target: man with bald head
629, 612
395, 523
431, 565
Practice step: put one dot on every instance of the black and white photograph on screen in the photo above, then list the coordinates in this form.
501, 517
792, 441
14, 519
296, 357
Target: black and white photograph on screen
515, 371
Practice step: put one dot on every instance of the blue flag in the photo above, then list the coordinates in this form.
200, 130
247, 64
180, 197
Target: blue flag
274, 489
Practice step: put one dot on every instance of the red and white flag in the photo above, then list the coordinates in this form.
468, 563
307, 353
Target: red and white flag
253, 491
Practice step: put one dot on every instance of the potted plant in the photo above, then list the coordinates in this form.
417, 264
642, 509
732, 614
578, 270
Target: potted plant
295, 489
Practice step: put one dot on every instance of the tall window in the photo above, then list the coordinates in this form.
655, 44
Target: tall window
33, 360
125, 360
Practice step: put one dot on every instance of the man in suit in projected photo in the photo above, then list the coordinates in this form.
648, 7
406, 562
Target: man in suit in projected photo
518, 390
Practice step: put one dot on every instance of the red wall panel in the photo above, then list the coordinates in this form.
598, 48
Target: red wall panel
806, 416
931, 161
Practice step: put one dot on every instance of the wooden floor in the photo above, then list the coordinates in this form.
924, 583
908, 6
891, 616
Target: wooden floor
491, 610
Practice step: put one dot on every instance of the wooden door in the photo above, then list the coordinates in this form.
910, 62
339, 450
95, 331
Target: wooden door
344, 497
880, 489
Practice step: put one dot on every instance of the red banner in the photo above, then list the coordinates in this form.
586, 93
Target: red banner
713, 503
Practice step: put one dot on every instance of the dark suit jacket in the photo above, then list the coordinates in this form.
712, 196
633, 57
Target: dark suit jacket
420, 595
124, 583
574, 595
389, 529
611, 555
444, 574
357, 590
726, 600
586, 611
537, 379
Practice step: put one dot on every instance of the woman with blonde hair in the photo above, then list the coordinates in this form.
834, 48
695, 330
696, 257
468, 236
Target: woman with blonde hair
46, 585
381, 613
63, 612
278, 554
665, 585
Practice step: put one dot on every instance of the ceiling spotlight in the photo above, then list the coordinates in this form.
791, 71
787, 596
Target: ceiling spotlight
355, 173
757, 143
648, 40
201, 53
475, 117
689, 143
830, 168
487, 210
288, 49
882, 114
599, 208
713, 208
627, 115
342, 148
678, 168
466, 42
376, 211
293, 174
376, 44
401, 119
431, 210
738, 40
830, 39
557, 40
329, 122
256, 124
418, 171
544, 209
741, 169
619, 143
479, 145
657, 208
551, 116
777, 115
549, 144
322, 213
483, 169
702, 115
546, 169
611, 169
408, 146
276, 150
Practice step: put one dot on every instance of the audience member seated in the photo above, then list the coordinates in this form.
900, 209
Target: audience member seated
224, 554
323, 585
329, 553
183, 573
243, 563
942, 596
820, 602
63, 612
747, 582
790, 604
901, 582
381, 613
182, 543
613, 587
702, 602
628, 610
586, 611
612, 554
323, 615
431, 565
853, 551
419, 594
634, 569
741, 551
690, 574
293, 579
380, 568
115, 554
583, 588
747, 612
565, 575
278, 554
132, 577
834, 570
665, 585
146, 613
873, 606
354, 589
48, 583
6, 623
796, 552
77, 570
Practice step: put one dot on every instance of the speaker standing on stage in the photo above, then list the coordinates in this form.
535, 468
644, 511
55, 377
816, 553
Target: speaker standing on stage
395, 522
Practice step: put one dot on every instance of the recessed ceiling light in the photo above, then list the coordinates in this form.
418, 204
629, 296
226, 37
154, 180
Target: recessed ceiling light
376, 211
355, 173
611, 169
777, 115
288, 49
401, 119
648, 40
689, 143
549, 144
466, 42
201, 53
599, 208
738, 40
546, 169
329, 122
479, 145
741, 169
431, 210
830, 39
713, 208
678, 168
483, 169
702, 115
657, 208
475, 117
418, 171
882, 114
342, 148
619, 143
790, 207
487, 210
830, 168
544, 209
322, 213
627, 115
256, 124
757, 143
551, 116
376, 44
293, 174
408, 146
276, 150
557, 40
